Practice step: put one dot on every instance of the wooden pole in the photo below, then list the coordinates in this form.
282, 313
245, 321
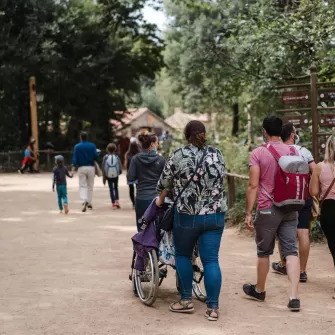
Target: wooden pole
33, 116
231, 191
314, 109
251, 139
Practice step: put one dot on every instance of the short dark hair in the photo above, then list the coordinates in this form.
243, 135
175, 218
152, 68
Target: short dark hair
111, 148
84, 135
286, 132
273, 125
195, 133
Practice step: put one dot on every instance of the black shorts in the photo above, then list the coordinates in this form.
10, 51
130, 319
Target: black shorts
305, 215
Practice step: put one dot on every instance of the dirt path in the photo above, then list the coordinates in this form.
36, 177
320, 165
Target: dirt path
63, 275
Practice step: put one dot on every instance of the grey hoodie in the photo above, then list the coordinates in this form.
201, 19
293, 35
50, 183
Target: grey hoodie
146, 167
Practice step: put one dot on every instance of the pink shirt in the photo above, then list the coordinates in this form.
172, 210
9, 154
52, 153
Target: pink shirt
268, 165
326, 178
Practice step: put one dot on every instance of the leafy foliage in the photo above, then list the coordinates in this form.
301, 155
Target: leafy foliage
88, 58
222, 52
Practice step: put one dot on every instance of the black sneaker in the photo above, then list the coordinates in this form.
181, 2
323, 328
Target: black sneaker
90, 206
303, 277
294, 305
250, 291
162, 273
85, 204
278, 268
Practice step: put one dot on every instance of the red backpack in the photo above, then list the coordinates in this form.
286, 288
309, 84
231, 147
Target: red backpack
291, 186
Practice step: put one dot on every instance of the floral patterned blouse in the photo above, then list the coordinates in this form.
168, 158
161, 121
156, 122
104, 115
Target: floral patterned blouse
205, 194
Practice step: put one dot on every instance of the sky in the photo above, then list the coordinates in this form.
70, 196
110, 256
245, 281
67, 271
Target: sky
156, 17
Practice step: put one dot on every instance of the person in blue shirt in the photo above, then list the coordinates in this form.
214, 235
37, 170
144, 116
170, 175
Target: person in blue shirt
84, 157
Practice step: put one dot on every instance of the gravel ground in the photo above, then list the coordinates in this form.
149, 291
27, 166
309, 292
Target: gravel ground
64, 275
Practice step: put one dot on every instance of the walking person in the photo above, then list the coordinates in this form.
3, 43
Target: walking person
195, 174
289, 136
270, 220
84, 157
132, 151
112, 168
323, 184
59, 180
30, 157
146, 168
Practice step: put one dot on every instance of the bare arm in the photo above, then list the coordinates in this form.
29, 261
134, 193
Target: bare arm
252, 189
126, 160
68, 174
161, 198
53, 180
314, 185
312, 167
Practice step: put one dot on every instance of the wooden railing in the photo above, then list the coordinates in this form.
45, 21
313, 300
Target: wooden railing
231, 182
11, 160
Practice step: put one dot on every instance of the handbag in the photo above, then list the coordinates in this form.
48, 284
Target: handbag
168, 217
325, 196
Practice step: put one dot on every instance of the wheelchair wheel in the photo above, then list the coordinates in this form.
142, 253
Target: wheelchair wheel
198, 283
147, 281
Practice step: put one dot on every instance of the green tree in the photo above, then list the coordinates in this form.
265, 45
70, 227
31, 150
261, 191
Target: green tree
88, 57
226, 52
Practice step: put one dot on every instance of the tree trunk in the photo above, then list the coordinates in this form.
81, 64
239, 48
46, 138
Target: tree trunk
56, 134
235, 120
73, 132
251, 138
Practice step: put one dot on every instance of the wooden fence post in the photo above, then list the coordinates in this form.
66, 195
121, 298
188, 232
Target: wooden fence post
48, 159
231, 191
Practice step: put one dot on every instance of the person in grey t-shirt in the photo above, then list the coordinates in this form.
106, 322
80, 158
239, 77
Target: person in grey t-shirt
59, 179
146, 167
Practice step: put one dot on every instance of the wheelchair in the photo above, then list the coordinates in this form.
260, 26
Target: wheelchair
146, 283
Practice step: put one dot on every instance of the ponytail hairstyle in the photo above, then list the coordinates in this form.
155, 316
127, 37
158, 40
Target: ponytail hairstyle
133, 149
146, 139
111, 148
330, 152
195, 133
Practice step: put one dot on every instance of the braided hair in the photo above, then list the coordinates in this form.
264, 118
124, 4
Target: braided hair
195, 133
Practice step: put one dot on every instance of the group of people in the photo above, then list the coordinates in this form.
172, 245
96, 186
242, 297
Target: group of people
198, 183
194, 174
271, 222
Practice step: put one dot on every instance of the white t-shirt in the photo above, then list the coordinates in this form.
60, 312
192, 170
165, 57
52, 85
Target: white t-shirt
304, 153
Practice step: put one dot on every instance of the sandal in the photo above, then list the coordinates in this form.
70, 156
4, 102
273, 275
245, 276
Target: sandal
185, 304
209, 316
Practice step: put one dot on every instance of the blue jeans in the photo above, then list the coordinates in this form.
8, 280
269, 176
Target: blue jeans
113, 188
207, 230
62, 196
140, 208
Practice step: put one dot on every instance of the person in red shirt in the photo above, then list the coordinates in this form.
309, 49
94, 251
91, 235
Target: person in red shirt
270, 220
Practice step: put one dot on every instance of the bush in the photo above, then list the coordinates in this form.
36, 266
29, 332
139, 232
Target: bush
236, 155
